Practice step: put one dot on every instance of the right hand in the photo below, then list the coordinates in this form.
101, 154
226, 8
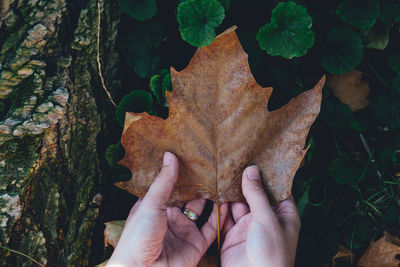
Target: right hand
258, 234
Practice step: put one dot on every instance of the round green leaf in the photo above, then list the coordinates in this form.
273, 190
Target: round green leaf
362, 120
344, 50
289, 33
396, 85
136, 101
141, 48
158, 84
198, 19
394, 62
377, 37
359, 13
390, 13
336, 115
138, 9
114, 153
387, 109
345, 172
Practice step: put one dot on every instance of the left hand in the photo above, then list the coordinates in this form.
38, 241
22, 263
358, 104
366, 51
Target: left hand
155, 234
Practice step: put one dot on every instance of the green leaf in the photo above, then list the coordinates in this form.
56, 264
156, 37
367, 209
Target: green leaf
359, 238
336, 115
359, 13
345, 171
141, 48
114, 154
390, 13
387, 109
343, 52
362, 120
226, 4
138, 9
302, 202
198, 19
396, 85
377, 37
158, 84
394, 62
136, 101
289, 33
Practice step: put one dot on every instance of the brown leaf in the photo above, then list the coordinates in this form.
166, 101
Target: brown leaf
342, 257
350, 89
218, 124
103, 264
113, 232
381, 253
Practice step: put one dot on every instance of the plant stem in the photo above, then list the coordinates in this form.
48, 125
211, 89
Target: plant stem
218, 227
23, 254
376, 74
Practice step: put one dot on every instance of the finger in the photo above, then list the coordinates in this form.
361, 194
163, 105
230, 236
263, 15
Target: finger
134, 208
288, 216
254, 193
228, 224
196, 206
238, 210
209, 229
161, 188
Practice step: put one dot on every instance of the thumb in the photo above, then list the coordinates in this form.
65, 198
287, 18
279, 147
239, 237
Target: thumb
254, 192
160, 190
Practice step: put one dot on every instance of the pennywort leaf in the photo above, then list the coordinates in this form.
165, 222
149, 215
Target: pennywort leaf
359, 13
158, 84
345, 171
377, 37
198, 19
343, 52
141, 48
390, 13
289, 33
115, 153
139, 9
394, 62
136, 101
387, 109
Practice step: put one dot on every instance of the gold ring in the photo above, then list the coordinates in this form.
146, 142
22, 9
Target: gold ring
190, 214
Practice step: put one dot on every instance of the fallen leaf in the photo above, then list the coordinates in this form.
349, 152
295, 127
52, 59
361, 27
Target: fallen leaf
342, 257
218, 124
103, 264
113, 232
381, 253
350, 89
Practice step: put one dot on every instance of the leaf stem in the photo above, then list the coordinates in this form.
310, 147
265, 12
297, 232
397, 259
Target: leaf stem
218, 227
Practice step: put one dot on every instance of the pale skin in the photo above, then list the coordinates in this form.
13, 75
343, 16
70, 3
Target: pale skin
256, 234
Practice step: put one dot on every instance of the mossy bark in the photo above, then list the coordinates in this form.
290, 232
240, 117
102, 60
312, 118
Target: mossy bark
52, 113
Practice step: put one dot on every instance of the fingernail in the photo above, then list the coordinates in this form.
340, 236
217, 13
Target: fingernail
167, 158
253, 173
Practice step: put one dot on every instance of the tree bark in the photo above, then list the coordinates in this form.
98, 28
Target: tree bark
52, 122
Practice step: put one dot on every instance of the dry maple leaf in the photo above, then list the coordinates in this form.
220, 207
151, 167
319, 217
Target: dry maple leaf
350, 89
218, 124
381, 253
112, 232
342, 257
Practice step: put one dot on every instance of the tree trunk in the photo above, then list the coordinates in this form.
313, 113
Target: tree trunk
52, 125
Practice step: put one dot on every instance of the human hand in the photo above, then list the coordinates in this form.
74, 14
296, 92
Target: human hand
155, 234
258, 234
